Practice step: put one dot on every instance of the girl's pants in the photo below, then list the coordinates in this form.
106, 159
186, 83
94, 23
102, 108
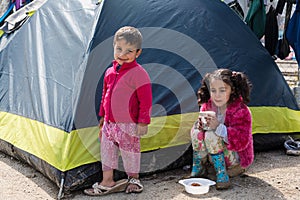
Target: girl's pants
208, 142
120, 136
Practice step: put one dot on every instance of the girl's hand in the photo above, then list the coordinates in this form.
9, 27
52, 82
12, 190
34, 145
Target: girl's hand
142, 129
200, 124
212, 122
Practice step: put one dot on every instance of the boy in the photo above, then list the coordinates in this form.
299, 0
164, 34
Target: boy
125, 114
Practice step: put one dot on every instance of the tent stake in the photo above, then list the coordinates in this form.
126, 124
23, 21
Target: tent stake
60, 193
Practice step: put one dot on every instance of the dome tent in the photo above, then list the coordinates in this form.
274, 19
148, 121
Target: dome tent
52, 69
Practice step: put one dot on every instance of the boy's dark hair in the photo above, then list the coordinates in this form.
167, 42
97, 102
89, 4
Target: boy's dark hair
238, 81
131, 34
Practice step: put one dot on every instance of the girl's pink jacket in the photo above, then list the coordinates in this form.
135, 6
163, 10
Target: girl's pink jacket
239, 129
127, 94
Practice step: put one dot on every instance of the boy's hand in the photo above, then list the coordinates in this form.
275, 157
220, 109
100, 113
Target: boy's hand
100, 134
101, 121
142, 129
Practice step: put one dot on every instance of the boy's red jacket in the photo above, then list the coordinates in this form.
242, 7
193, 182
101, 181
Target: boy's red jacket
127, 94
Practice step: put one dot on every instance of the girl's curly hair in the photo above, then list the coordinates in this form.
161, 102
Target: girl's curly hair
238, 81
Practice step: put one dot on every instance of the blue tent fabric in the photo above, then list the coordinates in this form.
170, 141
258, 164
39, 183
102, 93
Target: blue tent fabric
293, 32
51, 69
206, 36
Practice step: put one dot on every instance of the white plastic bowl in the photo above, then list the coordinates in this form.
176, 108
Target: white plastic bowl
197, 185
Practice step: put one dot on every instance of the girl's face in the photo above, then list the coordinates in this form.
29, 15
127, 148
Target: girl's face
124, 52
219, 92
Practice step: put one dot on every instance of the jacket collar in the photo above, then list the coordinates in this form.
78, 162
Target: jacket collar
125, 65
230, 107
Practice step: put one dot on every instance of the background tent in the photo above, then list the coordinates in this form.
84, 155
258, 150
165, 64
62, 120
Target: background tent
51, 72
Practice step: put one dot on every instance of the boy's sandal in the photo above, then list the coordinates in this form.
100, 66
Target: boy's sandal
137, 182
99, 190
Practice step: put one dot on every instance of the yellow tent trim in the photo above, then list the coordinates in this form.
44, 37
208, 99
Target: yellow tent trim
66, 151
275, 120
58, 148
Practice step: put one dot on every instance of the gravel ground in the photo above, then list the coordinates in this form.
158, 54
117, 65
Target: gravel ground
273, 175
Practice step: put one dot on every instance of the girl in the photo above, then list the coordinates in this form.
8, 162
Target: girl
228, 143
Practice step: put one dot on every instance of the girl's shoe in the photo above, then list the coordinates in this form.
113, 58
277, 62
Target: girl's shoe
235, 170
218, 161
198, 168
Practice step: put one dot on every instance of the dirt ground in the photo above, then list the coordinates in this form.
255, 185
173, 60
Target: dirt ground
273, 175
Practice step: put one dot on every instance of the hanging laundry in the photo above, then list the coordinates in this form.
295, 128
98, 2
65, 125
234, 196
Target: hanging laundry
271, 31
283, 44
256, 17
280, 6
293, 32
6, 8
236, 7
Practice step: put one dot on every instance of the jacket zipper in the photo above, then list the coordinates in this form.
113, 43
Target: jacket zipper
114, 84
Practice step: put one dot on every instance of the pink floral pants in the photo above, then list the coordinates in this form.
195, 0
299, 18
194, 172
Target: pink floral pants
209, 143
120, 137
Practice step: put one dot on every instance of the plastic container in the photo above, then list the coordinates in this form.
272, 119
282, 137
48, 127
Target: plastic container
197, 185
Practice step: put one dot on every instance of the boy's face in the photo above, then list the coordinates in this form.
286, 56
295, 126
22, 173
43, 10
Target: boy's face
125, 52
